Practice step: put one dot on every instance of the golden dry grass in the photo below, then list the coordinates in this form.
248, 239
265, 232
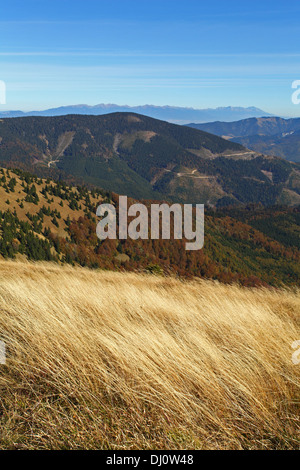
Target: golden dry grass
125, 361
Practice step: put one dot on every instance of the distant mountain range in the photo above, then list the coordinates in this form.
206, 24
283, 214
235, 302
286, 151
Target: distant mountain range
146, 158
177, 115
269, 135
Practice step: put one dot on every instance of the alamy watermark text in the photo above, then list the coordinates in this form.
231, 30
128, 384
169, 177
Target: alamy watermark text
184, 217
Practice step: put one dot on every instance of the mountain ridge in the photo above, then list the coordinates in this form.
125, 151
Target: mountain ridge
147, 158
272, 135
175, 114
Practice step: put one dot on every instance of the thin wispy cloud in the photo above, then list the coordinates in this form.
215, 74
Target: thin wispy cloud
138, 54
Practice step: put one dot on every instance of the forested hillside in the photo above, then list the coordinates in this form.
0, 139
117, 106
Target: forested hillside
269, 135
47, 220
147, 158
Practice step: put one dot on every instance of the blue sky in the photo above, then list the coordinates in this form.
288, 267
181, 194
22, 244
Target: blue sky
183, 53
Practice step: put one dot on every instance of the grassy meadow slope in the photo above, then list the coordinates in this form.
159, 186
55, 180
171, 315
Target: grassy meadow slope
25, 195
125, 361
